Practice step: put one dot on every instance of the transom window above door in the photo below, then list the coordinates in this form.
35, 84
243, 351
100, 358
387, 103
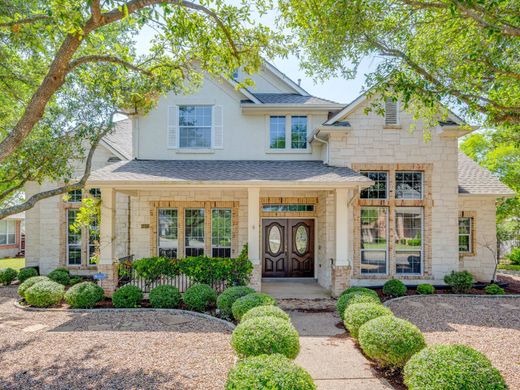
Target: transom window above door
283, 140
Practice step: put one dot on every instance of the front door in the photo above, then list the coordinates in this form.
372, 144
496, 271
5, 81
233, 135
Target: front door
288, 247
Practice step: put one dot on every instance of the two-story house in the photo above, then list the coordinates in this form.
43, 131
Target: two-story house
315, 188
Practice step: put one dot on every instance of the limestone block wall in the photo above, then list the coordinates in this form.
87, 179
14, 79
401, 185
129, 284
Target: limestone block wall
482, 263
325, 238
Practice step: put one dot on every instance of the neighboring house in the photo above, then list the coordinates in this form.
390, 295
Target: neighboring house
316, 190
11, 231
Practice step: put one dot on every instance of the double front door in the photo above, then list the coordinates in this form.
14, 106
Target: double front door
288, 247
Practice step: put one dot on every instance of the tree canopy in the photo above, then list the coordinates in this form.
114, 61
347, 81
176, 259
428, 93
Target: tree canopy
69, 65
464, 53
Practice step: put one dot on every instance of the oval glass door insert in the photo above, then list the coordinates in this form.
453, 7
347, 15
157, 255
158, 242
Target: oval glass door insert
301, 239
275, 239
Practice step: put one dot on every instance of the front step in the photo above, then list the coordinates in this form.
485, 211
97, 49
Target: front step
308, 305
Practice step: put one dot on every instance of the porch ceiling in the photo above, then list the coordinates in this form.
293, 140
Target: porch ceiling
227, 172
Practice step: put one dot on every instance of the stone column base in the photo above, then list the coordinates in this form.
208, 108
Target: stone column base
256, 277
109, 284
340, 279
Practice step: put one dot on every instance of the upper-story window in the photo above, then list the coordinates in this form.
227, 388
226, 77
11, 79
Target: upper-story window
195, 126
391, 112
75, 196
280, 139
379, 189
409, 185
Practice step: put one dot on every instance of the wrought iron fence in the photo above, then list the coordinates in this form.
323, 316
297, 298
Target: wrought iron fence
127, 275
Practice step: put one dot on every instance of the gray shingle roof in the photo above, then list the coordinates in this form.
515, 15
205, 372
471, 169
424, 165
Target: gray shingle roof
289, 98
230, 171
476, 180
120, 139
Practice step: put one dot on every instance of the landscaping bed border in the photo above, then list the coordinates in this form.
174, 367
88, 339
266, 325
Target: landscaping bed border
385, 303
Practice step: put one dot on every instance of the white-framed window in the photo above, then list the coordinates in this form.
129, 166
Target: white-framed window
281, 139
374, 240
465, 234
168, 233
7, 232
194, 236
195, 127
93, 241
408, 185
379, 190
221, 222
73, 239
408, 240
75, 196
391, 112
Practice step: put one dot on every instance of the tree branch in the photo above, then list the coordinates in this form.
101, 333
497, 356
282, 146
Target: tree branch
30, 19
96, 10
99, 58
9, 191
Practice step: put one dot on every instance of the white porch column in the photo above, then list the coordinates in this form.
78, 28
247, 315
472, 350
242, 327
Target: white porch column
107, 261
342, 267
253, 235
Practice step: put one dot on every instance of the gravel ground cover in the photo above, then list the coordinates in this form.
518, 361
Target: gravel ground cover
110, 350
491, 325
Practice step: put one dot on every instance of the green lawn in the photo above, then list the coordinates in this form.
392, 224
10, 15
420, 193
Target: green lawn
12, 263
510, 267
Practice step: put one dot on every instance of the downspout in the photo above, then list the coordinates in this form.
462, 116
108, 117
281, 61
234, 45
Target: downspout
315, 137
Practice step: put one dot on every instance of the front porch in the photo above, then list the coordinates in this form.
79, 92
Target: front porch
294, 288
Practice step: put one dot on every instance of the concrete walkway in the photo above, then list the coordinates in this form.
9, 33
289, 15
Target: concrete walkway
330, 355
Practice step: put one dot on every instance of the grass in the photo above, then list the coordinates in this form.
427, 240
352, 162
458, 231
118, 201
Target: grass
12, 263
510, 267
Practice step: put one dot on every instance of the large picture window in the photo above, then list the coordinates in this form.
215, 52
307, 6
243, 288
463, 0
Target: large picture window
277, 132
73, 239
374, 240
408, 185
298, 132
195, 127
194, 232
221, 233
7, 232
168, 238
465, 232
408, 240
379, 189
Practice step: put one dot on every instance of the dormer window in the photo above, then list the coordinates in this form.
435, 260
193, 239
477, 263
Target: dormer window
391, 112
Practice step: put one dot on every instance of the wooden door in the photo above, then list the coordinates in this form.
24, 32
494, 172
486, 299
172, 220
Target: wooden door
275, 248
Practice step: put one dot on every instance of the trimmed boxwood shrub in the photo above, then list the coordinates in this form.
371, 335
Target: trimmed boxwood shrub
360, 289
84, 295
75, 280
394, 288
265, 335
165, 297
44, 294
127, 297
26, 273
460, 282
390, 341
229, 296
268, 372
266, 311
22, 288
199, 297
360, 313
7, 276
494, 289
247, 302
441, 367
354, 297
60, 275
425, 289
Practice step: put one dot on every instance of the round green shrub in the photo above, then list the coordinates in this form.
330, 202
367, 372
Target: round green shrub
26, 273
199, 297
460, 282
514, 256
75, 280
425, 289
390, 341
494, 289
360, 289
7, 276
268, 372
266, 311
127, 297
244, 304
84, 295
354, 297
165, 297
44, 294
22, 288
360, 313
229, 296
394, 288
265, 335
441, 367
60, 276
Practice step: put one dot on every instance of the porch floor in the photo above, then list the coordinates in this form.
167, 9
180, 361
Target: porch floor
294, 288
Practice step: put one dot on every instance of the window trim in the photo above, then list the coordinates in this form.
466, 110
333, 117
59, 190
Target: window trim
387, 250
469, 235
230, 230
211, 128
409, 171
410, 250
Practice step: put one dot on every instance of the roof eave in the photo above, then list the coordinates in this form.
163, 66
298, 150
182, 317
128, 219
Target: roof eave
456, 131
260, 108
487, 195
